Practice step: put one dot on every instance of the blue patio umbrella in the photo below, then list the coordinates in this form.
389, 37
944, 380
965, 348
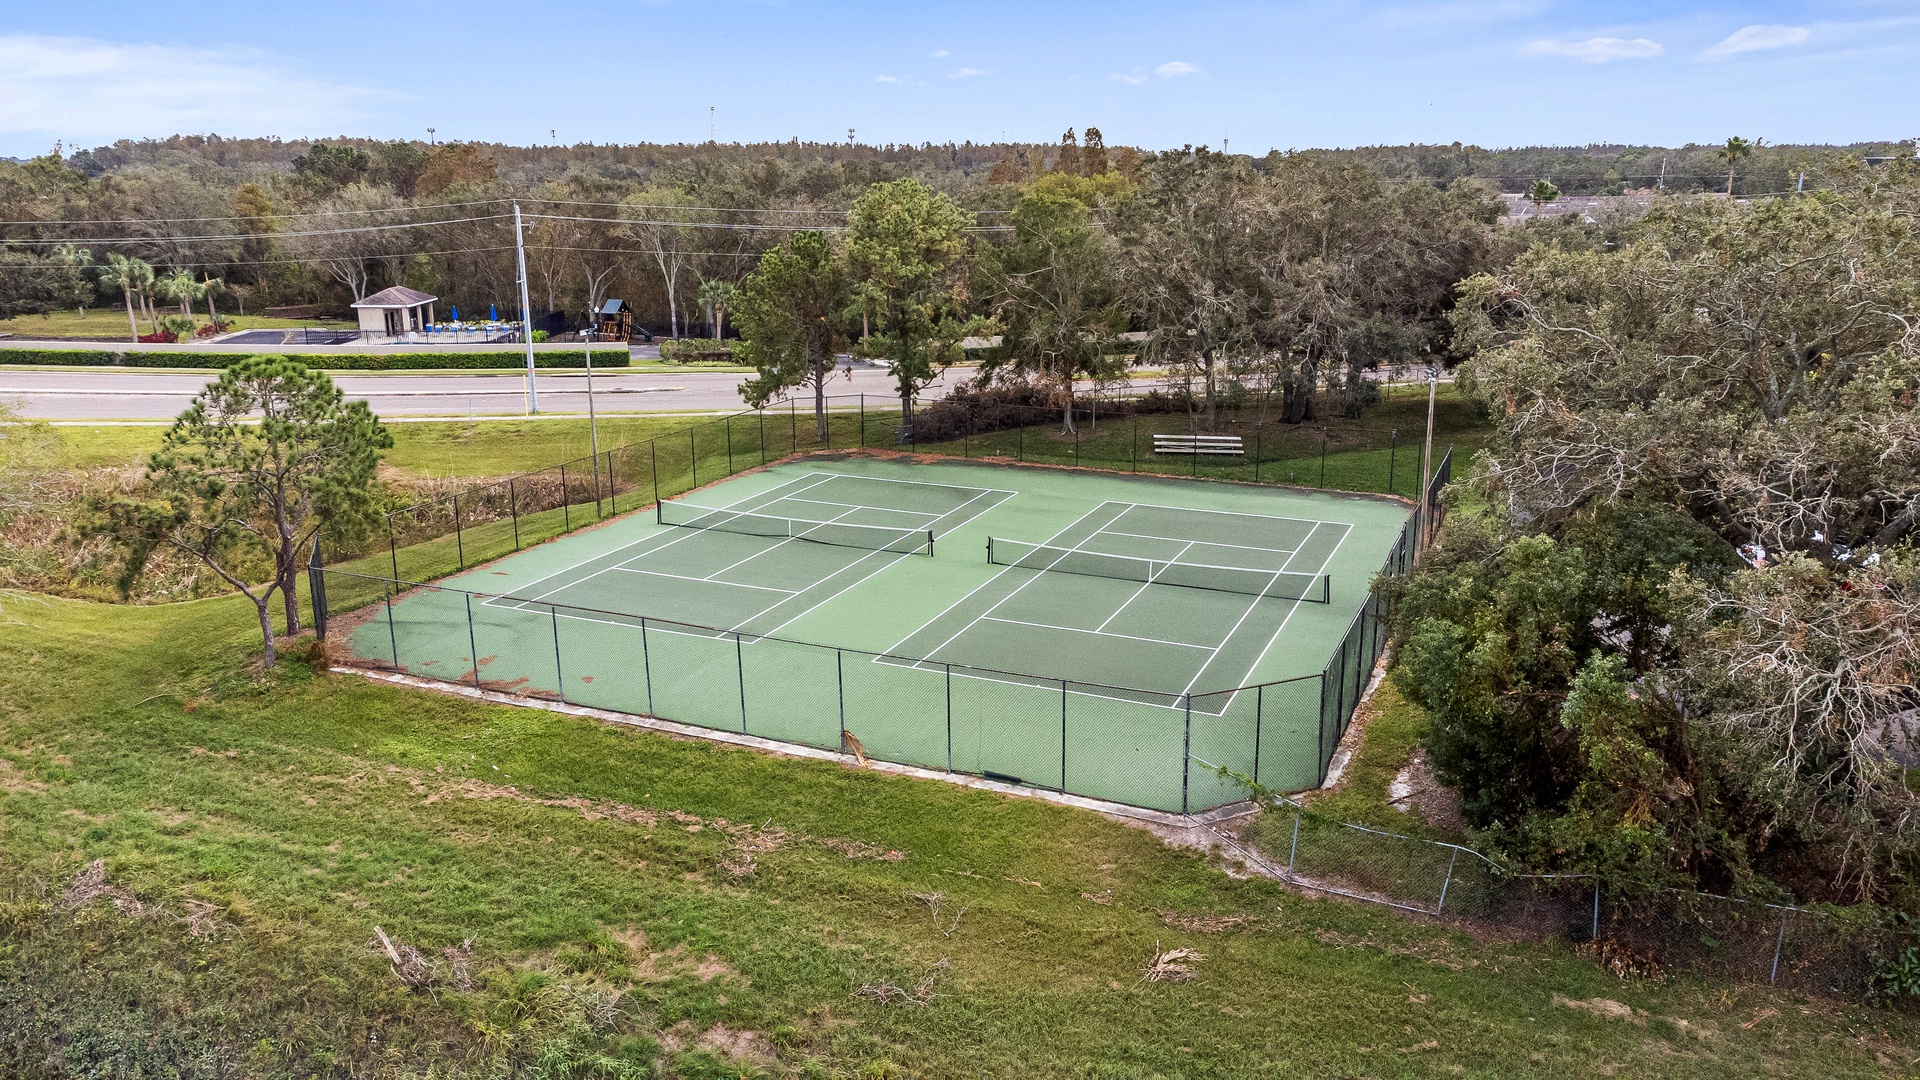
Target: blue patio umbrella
492, 315
456, 313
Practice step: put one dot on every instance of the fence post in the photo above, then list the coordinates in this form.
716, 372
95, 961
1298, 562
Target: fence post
513, 508
393, 640
1393, 455
863, 421
949, 718
840, 682
728, 421
1293, 848
392, 551
317, 591
1076, 441
646, 666
1020, 454
1063, 736
1448, 883
459, 540
472, 642
559, 674
566, 502
1595, 933
761, 415
1773, 973
1258, 431
1186, 752
740, 666
693, 460
1259, 707
1133, 443
613, 490
1323, 457
653, 466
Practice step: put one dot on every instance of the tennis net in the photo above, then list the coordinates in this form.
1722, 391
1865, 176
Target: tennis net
1278, 584
838, 534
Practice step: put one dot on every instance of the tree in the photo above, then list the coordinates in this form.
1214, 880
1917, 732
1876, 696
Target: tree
716, 295
1736, 150
1191, 266
332, 166
791, 313
1054, 292
451, 164
264, 457
905, 243
180, 288
129, 276
36, 284
378, 240
1540, 193
1709, 437
653, 217
398, 165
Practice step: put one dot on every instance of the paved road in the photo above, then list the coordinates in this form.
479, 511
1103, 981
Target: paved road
96, 394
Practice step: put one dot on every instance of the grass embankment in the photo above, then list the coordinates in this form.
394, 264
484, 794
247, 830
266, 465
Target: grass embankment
638, 902
111, 322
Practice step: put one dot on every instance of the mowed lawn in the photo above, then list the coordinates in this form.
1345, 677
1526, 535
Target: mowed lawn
639, 905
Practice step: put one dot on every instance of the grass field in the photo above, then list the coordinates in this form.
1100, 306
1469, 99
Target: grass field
266, 823
111, 322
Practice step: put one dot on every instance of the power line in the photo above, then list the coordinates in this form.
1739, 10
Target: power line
255, 217
252, 236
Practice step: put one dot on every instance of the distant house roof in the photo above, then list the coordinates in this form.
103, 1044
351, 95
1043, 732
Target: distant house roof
397, 297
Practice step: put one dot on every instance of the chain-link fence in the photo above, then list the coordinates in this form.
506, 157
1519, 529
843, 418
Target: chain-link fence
1631, 930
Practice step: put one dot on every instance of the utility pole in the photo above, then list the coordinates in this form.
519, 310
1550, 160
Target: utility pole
1426, 458
526, 308
430, 132
1661, 184
593, 428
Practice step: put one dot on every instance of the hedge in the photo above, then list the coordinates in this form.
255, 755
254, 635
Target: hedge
399, 361
698, 351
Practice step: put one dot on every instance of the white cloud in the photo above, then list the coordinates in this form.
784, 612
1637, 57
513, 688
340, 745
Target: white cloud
938, 53
1596, 50
1173, 69
965, 73
1137, 78
1758, 38
885, 78
90, 89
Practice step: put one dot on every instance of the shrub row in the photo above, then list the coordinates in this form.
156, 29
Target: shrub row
697, 351
968, 410
398, 361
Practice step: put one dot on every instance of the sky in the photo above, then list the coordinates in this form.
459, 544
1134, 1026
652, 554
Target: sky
1249, 75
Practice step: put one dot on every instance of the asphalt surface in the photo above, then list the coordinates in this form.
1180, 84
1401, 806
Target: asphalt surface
131, 394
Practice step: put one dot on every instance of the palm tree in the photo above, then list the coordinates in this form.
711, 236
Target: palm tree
129, 276
209, 286
1735, 149
180, 287
716, 296
1541, 192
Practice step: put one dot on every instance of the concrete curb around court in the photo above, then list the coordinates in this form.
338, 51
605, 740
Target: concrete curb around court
1159, 821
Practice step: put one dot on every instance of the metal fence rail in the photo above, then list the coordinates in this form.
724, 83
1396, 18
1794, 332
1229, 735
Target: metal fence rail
1632, 930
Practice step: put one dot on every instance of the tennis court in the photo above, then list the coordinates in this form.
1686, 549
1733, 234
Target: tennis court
1082, 631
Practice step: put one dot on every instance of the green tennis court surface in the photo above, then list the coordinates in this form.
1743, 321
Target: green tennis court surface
1113, 630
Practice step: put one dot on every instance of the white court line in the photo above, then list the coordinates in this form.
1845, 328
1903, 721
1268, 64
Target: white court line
1141, 589
1285, 619
984, 492
1209, 543
922, 483
773, 547
1096, 633
710, 581
1016, 592
1228, 513
645, 539
864, 506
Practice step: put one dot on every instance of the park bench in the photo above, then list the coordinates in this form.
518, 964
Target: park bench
1198, 444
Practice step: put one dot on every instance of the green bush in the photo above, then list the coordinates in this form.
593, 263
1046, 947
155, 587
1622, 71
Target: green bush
698, 351
398, 361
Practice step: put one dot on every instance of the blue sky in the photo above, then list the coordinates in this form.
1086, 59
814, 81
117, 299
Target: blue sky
1262, 75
